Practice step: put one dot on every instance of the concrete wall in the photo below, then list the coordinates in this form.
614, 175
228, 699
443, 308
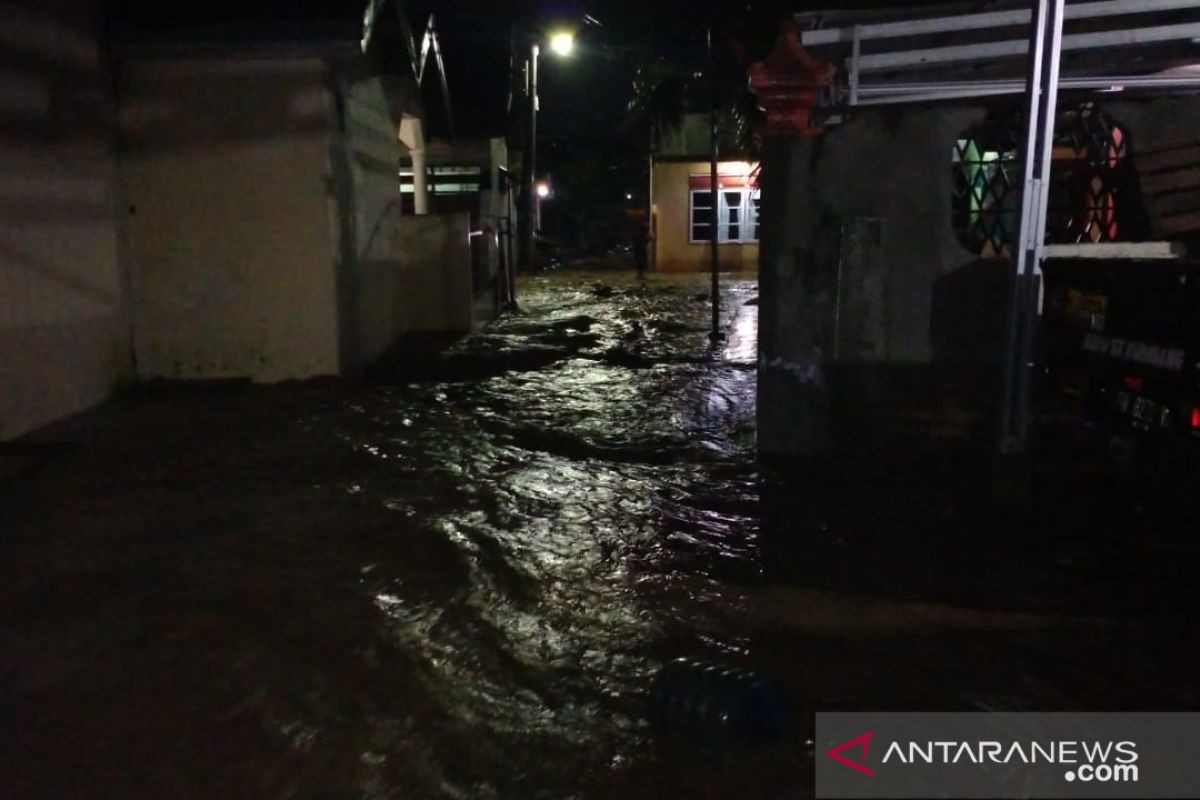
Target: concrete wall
396, 274
1165, 142
856, 233
489, 211
427, 288
226, 165
64, 333
433, 289
796, 307
365, 160
268, 235
673, 252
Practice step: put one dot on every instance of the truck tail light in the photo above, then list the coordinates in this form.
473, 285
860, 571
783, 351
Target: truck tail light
1195, 418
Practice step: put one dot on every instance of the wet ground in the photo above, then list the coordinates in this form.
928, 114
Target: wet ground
459, 582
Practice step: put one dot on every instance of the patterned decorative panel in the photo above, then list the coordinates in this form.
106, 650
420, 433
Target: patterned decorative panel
1093, 183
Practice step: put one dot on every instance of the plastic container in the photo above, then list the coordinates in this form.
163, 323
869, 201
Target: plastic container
718, 706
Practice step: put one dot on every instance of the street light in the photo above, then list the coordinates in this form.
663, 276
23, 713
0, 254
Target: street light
562, 44
543, 191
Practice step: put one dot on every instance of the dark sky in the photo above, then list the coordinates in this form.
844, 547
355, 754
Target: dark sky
475, 37
583, 98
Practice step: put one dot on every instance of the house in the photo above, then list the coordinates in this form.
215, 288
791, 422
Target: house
681, 200
472, 176
214, 203
267, 235
891, 191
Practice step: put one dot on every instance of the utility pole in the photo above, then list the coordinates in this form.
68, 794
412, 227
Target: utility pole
511, 187
531, 169
715, 193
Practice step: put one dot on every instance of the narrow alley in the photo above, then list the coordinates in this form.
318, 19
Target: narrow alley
460, 579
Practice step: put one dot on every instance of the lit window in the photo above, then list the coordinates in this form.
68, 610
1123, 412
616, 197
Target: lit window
737, 215
754, 200
986, 185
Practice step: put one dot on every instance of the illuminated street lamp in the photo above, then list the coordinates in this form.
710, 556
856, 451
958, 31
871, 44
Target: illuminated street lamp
562, 44
543, 191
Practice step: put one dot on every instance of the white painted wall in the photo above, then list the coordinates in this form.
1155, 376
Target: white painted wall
398, 274
64, 342
366, 166
242, 233
227, 171
435, 288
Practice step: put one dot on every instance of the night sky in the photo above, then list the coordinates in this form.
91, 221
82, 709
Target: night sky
594, 154
584, 92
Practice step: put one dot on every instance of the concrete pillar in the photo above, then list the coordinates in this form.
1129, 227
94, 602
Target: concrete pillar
420, 182
797, 308
412, 136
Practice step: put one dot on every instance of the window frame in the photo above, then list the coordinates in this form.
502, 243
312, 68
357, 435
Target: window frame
748, 216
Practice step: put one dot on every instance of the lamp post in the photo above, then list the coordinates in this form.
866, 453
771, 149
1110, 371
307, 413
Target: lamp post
543, 191
714, 137
562, 44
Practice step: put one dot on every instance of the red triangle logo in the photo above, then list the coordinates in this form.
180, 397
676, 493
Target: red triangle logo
859, 742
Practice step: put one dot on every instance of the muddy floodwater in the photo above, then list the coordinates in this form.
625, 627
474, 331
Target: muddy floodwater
457, 580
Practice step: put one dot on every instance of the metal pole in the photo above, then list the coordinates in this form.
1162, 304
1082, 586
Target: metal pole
714, 230
531, 226
1045, 46
855, 55
651, 239
513, 247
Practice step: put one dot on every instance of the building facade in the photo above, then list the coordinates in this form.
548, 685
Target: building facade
266, 233
208, 208
681, 204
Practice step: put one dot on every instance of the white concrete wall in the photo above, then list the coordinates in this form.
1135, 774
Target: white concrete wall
397, 274
227, 171
434, 289
366, 166
63, 325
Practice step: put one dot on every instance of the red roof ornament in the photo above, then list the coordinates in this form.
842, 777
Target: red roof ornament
788, 83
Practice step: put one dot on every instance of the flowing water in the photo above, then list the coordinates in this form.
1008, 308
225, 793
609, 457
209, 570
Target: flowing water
459, 581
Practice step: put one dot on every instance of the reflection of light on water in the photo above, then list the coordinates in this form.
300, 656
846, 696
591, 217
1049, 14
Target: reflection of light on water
547, 592
742, 344
552, 491
388, 602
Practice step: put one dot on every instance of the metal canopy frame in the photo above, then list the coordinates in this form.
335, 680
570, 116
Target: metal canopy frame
886, 47
986, 20
891, 94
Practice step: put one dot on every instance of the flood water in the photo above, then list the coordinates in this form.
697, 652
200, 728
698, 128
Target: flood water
458, 581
